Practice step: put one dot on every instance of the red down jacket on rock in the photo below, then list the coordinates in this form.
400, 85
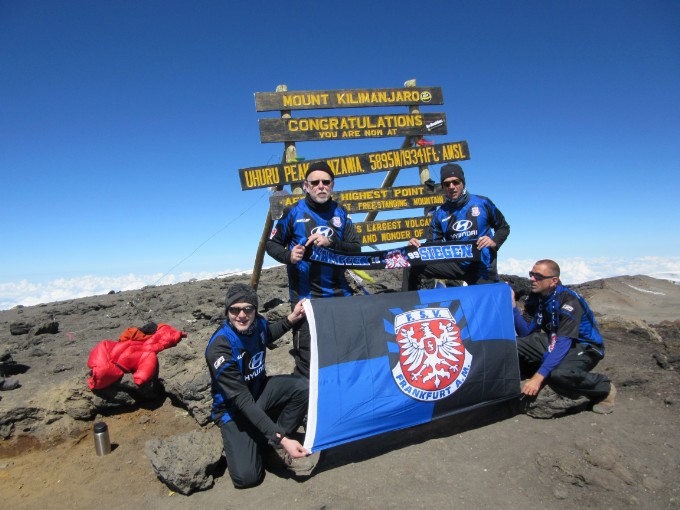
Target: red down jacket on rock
109, 360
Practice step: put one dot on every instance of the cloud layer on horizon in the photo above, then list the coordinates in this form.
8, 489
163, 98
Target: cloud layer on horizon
575, 270
578, 269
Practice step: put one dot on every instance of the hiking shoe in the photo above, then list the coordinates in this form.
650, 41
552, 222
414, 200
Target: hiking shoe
606, 406
302, 466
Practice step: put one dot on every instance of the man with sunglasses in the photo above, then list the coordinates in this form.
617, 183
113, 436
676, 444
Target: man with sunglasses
254, 411
571, 346
462, 217
317, 220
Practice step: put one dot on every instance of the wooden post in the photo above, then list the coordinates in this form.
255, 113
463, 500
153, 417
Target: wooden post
289, 154
391, 176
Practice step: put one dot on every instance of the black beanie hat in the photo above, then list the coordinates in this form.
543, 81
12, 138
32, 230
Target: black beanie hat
240, 293
452, 170
320, 165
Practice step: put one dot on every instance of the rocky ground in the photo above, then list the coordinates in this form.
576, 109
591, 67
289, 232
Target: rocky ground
490, 458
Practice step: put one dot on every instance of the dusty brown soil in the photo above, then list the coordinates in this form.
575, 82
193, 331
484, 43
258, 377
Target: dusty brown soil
487, 459
626, 459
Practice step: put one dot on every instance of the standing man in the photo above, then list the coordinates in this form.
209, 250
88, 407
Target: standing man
462, 217
314, 221
572, 345
254, 412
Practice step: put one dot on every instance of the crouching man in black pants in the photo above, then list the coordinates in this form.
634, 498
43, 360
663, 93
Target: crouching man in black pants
254, 412
570, 345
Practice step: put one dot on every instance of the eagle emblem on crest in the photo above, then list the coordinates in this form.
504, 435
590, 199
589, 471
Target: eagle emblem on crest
395, 259
433, 362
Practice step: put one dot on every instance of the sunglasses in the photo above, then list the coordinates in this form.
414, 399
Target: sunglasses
454, 182
316, 182
540, 277
235, 310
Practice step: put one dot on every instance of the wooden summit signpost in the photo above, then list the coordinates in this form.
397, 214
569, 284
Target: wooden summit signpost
414, 152
390, 231
318, 99
359, 126
367, 200
355, 164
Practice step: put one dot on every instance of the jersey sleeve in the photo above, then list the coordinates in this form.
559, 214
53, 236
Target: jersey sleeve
522, 327
501, 228
277, 244
278, 329
558, 350
228, 381
350, 242
570, 316
434, 231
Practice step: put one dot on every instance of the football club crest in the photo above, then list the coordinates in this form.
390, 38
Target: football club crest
474, 211
336, 221
433, 362
395, 259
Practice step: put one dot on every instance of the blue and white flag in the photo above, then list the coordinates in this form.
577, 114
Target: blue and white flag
389, 361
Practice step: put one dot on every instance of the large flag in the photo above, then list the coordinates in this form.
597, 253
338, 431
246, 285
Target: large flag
389, 361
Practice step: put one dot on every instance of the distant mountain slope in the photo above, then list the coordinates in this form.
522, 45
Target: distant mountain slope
634, 297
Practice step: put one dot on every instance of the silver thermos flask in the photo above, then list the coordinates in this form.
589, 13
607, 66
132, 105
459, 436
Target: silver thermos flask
102, 443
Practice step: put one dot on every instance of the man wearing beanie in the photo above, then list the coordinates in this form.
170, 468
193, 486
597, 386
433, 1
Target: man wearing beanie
254, 412
462, 217
315, 221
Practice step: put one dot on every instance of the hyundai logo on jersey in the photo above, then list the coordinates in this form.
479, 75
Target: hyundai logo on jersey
324, 231
256, 361
461, 225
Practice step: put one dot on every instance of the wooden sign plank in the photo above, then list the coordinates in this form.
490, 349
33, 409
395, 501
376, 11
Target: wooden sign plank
354, 98
359, 126
391, 231
355, 164
392, 225
367, 200
397, 236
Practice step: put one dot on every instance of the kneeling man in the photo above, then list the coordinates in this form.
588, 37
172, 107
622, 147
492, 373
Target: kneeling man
254, 412
572, 345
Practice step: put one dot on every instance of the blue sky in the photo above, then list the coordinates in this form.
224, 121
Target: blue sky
123, 125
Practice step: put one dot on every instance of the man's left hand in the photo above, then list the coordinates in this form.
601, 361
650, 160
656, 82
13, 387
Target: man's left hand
298, 312
294, 448
485, 242
533, 385
318, 240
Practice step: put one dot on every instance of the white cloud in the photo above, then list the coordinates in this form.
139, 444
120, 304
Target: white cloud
579, 270
27, 293
574, 270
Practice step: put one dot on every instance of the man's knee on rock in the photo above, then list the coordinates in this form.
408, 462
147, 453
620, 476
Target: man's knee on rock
566, 378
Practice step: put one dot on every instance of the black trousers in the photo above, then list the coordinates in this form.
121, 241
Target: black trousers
572, 375
284, 399
302, 347
448, 271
